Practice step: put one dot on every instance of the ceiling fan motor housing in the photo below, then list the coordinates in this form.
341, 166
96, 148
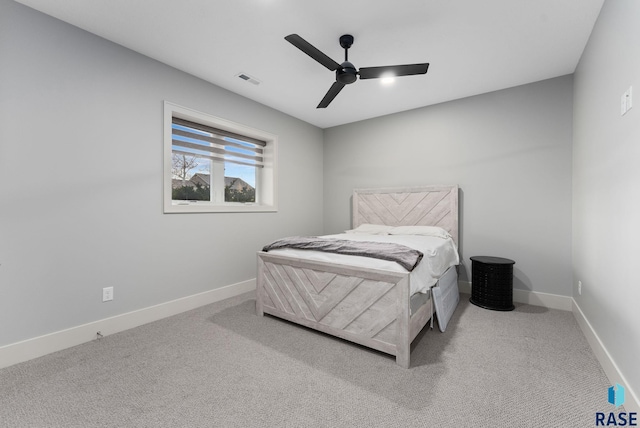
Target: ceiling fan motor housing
347, 73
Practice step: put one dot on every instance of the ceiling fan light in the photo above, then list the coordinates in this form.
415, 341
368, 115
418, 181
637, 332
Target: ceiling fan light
388, 80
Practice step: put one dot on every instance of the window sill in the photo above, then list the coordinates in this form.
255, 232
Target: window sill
227, 208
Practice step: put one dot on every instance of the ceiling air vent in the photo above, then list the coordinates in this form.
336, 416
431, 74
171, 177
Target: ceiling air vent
248, 78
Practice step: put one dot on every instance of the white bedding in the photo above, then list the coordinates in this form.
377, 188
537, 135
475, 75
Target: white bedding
439, 255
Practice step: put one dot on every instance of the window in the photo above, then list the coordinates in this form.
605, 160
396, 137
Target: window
214, 165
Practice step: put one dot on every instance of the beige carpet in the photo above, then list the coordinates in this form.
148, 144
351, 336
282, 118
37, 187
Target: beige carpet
222, 366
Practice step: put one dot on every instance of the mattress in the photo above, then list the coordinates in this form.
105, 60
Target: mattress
439, 255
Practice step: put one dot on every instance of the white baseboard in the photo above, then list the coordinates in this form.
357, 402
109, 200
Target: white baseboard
535, 298
632, 403
33, 348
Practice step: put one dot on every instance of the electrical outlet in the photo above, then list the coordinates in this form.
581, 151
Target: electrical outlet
580, 287
107, 294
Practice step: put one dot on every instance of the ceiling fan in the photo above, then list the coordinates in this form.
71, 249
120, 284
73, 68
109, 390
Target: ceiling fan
346, 72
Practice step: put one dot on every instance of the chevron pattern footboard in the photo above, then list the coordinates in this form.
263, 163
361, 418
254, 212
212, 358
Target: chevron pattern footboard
360, 305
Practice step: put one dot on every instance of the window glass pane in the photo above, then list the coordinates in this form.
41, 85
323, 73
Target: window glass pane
239, 183
190, 178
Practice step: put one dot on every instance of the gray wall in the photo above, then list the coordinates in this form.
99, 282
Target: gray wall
81, 181
606, 179
510, 153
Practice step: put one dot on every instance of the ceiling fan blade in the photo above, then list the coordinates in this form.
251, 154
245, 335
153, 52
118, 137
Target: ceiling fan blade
331, 94
393, 70
312, 51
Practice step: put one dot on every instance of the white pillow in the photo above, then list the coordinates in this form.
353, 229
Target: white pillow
420, 230
371, 229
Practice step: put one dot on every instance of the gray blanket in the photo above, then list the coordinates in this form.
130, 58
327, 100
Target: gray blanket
406, 257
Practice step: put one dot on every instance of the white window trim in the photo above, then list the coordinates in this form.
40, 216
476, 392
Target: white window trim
266, 182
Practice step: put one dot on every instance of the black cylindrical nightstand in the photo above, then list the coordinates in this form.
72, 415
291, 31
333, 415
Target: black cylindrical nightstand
492, 283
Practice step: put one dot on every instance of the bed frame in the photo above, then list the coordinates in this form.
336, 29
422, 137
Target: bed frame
370, 307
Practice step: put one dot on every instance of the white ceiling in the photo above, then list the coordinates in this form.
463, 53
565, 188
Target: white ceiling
472, 46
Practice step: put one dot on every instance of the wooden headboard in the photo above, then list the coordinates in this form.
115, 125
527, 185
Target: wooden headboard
409, 206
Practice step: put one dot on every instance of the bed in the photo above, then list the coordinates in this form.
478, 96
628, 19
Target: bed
371, 306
